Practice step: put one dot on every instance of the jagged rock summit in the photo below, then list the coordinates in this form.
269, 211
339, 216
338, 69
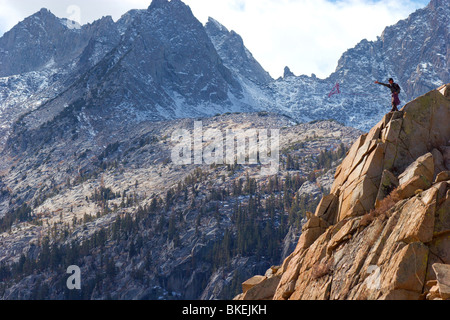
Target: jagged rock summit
384, 230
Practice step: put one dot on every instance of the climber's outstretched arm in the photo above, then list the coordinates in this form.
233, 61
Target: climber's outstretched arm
383, 84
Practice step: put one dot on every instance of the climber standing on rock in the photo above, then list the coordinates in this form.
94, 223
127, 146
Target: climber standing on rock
395, 89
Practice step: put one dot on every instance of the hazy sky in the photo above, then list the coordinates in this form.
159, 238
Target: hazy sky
309, 36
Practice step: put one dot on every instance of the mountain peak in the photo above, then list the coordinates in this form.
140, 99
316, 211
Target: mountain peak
288, 73
103, 21
439, 4
157, 4
44, 13
173, 7
46, 20
214, 24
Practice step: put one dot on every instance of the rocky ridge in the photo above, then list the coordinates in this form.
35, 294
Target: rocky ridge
383, 232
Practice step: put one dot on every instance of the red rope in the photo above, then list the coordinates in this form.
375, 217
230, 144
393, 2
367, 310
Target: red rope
336, 90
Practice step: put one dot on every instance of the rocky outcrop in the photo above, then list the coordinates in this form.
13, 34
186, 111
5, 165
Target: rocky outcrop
384, 230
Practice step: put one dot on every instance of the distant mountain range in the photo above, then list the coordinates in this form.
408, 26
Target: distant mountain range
162, 64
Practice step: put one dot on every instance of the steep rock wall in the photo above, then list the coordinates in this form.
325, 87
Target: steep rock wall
384, 230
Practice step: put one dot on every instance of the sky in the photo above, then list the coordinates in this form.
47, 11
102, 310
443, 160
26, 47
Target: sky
308, 36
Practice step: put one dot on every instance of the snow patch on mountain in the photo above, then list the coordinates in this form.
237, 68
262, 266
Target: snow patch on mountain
70, 24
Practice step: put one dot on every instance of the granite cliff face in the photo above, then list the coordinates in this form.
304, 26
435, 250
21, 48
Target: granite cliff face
383, 232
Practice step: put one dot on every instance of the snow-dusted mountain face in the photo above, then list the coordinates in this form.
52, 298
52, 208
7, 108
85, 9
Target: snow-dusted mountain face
162, 63
235, 55
415, 52
42, 57
153, 64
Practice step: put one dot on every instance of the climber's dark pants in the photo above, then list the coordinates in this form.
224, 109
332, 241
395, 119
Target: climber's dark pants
395, 102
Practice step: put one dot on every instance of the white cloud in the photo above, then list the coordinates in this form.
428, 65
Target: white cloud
8, 16
90, 10
309, 36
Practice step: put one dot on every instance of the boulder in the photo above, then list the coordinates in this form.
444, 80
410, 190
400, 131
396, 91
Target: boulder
312, 230
443, 279
434, 294
264, 290
439, 164
392, 131
271, 272
416, 218
407, 269
360, 174
422, 166
445, 90
440, 245
425, 127
445, 150
358, 198
418, 176
345, 233
443, 176
247, 285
